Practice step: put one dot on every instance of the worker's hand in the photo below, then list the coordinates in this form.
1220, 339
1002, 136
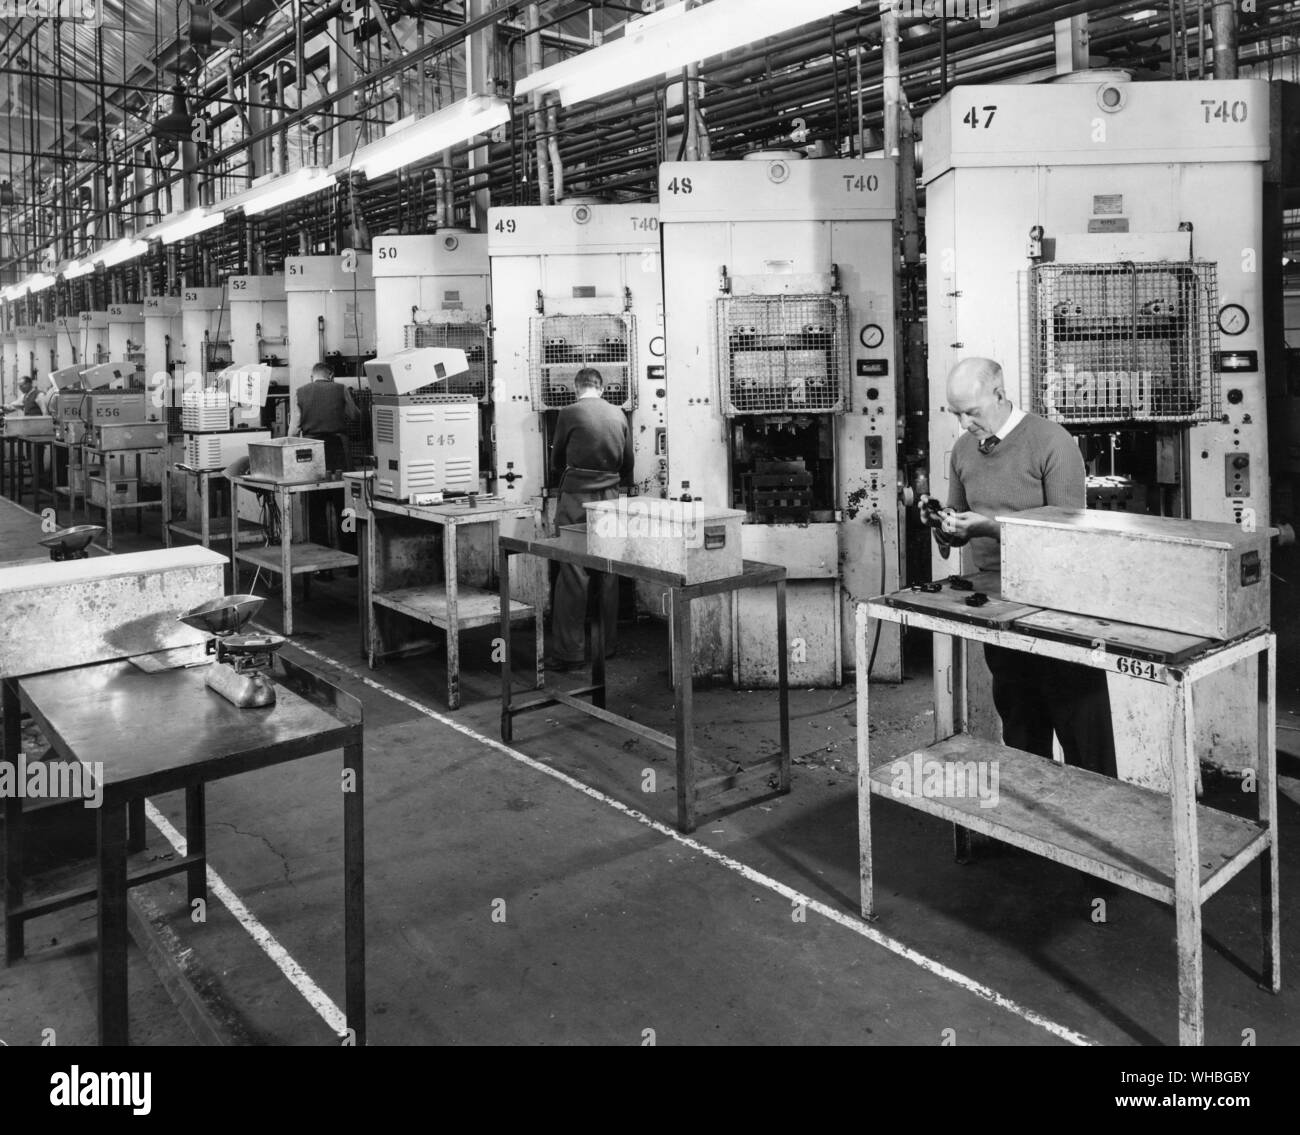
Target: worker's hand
963, 526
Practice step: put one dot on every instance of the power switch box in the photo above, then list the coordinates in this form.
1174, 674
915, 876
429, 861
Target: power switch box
875, 451
1236, 475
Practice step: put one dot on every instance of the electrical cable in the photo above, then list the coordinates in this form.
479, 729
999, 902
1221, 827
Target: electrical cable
871, 658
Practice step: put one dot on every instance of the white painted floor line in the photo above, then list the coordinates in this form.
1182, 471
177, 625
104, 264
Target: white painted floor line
316, 997
848, 921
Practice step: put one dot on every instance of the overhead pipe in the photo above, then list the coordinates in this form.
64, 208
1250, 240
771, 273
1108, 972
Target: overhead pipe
1021, 16
533, 47
553, 148
892, 77
1223, 25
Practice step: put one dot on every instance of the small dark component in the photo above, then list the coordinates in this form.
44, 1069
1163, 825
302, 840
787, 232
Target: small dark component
958, 584
976, 600
930, 587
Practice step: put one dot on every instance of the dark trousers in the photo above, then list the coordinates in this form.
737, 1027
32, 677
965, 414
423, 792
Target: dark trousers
325, 525
1036, 697
569, 602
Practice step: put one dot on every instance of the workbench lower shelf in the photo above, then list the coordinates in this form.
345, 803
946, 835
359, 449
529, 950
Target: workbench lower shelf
304, 557
1105, 827
475, 607
217, 530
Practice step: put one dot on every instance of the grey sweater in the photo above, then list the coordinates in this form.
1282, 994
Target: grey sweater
1038, 463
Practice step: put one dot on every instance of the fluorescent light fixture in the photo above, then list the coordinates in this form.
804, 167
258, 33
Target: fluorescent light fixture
439, 131
120, 251
1145, 14
184, 226
669, 40
273, 191
37, 282
74, 269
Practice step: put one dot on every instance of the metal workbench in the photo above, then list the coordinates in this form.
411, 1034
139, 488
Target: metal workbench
400, 574
290, 558
1162, 845
106, 464
21, 451
147, 733
691, 791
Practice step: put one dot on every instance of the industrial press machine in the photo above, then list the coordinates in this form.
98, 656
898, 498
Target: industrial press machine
92, 337
67, 351
330, 316
1104, 241
781, 390
574, 285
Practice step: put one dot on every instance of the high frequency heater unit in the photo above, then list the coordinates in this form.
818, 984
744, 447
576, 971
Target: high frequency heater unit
784, 266
425, 443
1079, 237
433, 290
220, 450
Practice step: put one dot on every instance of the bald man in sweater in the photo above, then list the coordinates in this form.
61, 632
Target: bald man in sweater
1005, 462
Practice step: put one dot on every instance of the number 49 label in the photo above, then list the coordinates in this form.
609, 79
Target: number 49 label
1137, 668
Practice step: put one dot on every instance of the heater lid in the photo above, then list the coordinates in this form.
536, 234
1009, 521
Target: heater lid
404, 372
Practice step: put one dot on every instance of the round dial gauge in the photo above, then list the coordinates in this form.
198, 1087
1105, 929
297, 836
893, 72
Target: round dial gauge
1233, 319
871, 336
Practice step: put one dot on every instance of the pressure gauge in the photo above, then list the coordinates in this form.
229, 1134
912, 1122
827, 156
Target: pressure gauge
871, 336
1233, 319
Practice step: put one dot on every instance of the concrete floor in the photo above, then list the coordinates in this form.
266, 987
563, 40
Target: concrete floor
536, 895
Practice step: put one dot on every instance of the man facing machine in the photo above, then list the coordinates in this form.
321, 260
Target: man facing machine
591, 455
322, 410
1008, 461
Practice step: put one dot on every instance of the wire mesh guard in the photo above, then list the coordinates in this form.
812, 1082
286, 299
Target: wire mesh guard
561, 345
1123, 341
783, 354
473, 339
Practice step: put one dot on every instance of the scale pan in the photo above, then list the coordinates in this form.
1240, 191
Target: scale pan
72, 539
221, 616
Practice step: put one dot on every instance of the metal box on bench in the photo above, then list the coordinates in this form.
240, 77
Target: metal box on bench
287, 460
1194, 577
689, 538
29, 425
119, 492
109, 438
